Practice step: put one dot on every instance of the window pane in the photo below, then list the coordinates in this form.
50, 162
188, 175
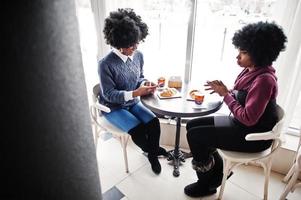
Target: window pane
164, 48
214, 55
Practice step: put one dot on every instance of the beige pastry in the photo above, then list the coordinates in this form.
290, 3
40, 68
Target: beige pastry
167, 92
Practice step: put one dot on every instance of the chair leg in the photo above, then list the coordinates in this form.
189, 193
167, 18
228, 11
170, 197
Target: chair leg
291, 171
95, 128
296, 185
226, 170
288, 175
267, 171
290, 184
124, 141
96, 135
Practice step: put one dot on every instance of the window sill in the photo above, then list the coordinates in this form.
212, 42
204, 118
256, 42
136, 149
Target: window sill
289, 142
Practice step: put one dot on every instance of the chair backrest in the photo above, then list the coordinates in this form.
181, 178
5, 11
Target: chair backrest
96, 105
96, 90
274, 133
278, 127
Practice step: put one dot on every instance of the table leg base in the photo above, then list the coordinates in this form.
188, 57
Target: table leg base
176, 158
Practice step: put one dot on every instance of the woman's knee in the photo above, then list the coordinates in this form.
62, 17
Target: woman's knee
188, 125
198, 122
200, 135
191, 123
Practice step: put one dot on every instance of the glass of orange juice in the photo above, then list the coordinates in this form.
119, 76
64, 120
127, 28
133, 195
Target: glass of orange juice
199, 97
161, 82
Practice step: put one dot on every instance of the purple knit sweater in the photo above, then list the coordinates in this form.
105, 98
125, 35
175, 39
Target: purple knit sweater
261, 85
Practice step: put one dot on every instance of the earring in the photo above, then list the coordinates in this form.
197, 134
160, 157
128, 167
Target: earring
121, 50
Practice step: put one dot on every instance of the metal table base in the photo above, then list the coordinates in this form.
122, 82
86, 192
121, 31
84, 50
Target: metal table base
177, 156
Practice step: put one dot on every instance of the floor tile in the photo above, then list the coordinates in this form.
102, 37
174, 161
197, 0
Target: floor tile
251, 179
296, 195
144, 184
112, 194
233, 192
106, 136
111, 162
141, 183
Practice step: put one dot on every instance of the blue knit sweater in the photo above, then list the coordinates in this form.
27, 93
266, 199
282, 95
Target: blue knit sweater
116, 77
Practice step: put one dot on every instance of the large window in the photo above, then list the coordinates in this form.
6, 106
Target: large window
296, 119
214, 56
192, 38
164, 48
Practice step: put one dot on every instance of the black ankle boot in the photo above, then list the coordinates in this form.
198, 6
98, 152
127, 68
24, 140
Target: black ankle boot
202, 187
205, 173
155, 164
198, 189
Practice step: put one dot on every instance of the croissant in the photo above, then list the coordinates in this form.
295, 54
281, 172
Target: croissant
167, 92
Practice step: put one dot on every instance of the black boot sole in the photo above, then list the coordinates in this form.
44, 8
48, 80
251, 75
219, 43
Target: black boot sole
203, 193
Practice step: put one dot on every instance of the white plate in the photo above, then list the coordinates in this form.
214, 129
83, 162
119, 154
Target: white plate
199, 106
188, 98
177, 95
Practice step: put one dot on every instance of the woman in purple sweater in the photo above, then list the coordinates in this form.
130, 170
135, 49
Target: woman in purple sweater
252, 103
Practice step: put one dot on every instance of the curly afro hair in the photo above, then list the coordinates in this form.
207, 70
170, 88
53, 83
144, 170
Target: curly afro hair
123, 28
263, 41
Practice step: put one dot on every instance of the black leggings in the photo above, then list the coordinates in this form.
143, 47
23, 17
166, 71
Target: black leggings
206, 134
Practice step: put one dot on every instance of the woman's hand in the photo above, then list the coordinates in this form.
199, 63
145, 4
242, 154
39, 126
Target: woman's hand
217, 87
144, 90
149, 83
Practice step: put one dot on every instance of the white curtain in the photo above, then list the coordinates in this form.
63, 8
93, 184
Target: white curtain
99, 10
289, 71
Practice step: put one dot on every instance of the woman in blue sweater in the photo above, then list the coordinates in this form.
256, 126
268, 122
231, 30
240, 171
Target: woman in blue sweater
122, 82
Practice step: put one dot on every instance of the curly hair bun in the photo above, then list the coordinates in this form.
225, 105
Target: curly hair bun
262, 40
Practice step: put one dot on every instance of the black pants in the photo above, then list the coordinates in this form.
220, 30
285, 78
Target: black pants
206, 134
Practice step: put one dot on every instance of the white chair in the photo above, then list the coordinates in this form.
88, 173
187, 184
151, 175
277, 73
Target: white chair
292, 176
101, 125
233, 159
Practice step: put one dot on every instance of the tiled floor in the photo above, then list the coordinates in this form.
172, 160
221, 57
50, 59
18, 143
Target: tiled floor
142, 184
